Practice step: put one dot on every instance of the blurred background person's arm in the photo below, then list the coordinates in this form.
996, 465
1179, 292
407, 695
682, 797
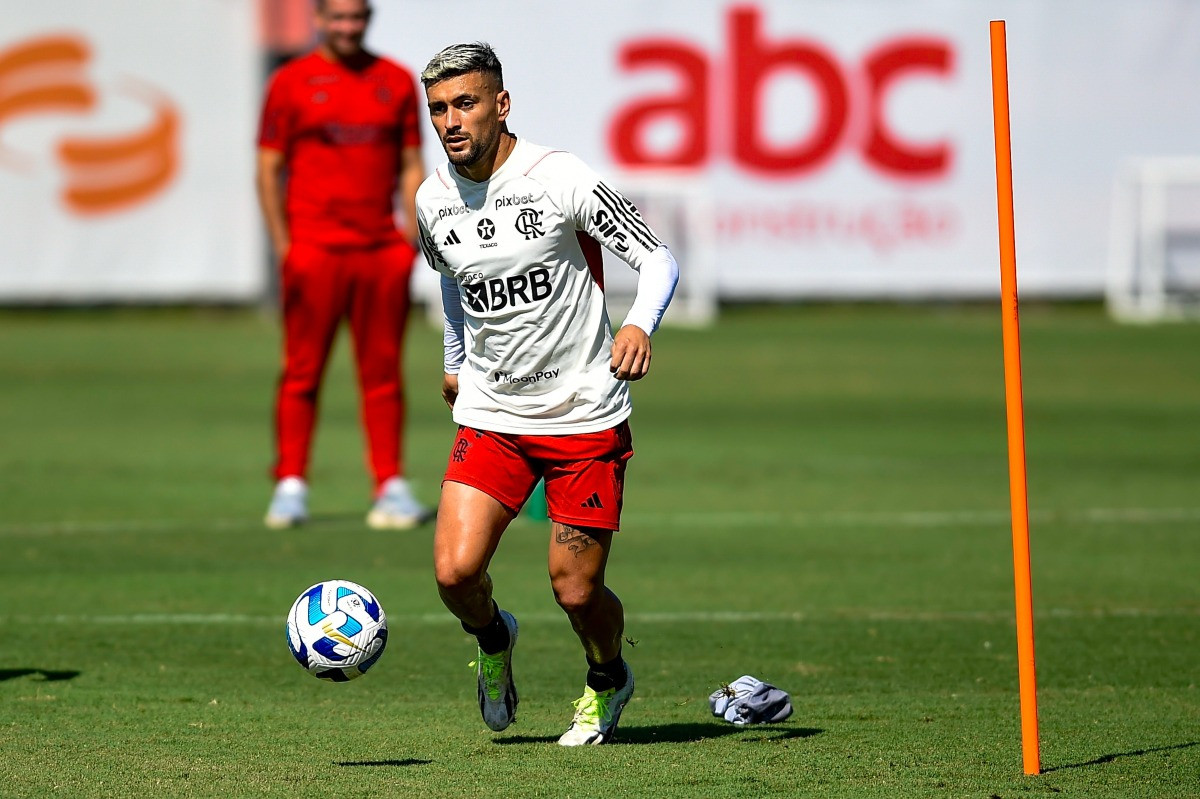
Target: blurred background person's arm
269, 182
412, 172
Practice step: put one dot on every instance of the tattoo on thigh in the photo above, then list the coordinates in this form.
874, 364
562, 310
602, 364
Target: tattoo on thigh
574, 539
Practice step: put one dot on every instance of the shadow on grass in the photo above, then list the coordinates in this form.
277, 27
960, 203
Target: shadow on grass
362, 763
1110, 758
47, 675
682, 733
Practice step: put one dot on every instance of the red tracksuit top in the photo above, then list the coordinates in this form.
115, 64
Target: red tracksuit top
341, 131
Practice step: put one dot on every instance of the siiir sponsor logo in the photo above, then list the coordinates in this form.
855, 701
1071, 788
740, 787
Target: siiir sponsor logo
513, 200
607, 226
431, 249
536, 377
499, 293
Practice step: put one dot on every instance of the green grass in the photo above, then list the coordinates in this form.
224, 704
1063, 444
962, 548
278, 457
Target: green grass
835, 475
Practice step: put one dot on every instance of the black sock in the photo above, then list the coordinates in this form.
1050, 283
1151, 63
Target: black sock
493, 636
605, 676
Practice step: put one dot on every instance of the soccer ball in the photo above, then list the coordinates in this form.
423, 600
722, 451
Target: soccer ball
336, 629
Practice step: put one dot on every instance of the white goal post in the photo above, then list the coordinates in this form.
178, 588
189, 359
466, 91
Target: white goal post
1154, 253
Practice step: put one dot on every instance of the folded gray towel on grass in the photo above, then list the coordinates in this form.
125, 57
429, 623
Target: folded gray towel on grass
747, 700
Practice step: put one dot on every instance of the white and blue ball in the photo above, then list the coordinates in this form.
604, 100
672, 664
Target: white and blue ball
337, 630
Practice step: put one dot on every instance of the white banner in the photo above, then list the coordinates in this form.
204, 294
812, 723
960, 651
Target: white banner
127, 151
846, 148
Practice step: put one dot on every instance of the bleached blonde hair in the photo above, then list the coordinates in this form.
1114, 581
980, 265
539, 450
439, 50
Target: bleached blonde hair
463, 59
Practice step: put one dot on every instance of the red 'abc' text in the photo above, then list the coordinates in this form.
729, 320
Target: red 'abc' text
753, 59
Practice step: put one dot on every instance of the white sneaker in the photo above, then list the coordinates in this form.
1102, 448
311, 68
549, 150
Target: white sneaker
395, 507
289, 504
497, 692
597, 714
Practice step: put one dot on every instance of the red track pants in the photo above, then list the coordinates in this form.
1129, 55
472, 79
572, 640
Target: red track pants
370, 287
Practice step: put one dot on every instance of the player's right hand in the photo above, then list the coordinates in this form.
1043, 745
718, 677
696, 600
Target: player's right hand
281, 252
450, 389
630, 353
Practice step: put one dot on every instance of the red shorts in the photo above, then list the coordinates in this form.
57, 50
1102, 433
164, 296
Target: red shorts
584, 473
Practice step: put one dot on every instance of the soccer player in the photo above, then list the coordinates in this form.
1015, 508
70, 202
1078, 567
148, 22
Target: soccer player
538, 383
340, 130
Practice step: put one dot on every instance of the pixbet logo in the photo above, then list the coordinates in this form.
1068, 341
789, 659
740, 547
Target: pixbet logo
841, 92
513, 199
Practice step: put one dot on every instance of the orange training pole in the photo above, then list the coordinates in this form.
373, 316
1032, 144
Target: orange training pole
1015, 404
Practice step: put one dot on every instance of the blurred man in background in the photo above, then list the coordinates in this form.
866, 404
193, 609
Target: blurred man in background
338, 141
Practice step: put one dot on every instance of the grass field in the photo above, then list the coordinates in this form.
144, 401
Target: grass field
819, 498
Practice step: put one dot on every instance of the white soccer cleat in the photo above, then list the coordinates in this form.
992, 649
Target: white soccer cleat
597, 714
395, 507
497, 692
289, 504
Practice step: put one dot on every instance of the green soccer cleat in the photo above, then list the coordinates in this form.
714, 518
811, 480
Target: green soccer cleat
497, 693
597, 714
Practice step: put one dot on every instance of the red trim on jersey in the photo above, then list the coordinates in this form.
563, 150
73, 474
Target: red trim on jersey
593, 255
540, 160
438, 171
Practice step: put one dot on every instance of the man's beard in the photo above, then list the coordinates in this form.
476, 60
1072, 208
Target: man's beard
346, 47
473, 153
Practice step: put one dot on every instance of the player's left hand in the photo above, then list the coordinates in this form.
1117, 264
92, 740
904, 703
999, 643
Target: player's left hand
450, 389
630, 354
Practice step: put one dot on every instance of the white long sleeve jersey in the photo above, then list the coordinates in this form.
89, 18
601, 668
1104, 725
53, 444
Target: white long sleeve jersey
524, 250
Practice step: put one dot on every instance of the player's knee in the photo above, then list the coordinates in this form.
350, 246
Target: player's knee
456, 577
575, 595
302, 382
380, 386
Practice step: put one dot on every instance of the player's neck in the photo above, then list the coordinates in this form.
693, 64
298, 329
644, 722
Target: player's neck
484, 168
356, 60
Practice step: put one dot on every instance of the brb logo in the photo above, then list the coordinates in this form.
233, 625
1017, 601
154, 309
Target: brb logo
496, 294
842, 92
